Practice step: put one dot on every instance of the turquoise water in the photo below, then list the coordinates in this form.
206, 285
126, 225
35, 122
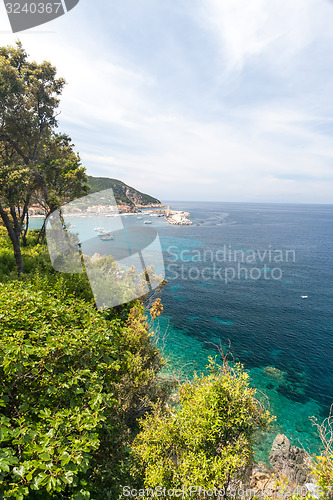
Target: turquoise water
284, 340
187, 355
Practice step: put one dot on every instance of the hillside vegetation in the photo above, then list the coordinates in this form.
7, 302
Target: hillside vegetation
124, 194
74, 381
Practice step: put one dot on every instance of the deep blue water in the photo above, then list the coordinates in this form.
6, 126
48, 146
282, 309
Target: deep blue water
265, 319
284, 340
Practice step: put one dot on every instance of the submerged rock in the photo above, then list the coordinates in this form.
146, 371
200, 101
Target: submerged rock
274, 373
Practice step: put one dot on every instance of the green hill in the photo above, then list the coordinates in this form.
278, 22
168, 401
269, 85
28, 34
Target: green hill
124, 194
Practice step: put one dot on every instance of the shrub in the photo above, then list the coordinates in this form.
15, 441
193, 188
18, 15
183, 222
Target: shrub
323, 464
206, 440
72, 385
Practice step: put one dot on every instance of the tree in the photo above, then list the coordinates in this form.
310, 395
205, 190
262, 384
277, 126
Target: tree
206, 440
16, 184
63, 173
29, 98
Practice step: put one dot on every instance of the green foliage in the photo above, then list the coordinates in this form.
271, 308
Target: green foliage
72, 382
72, 385
39, 272
29, 97
323, 464
207, 439
323, 471
125, 195
7, 261
34, 160
61, 168
14, 182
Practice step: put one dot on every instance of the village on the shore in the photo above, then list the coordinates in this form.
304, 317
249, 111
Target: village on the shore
174, 217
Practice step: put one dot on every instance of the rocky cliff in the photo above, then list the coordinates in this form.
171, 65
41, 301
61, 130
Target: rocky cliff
124, 194
290, 465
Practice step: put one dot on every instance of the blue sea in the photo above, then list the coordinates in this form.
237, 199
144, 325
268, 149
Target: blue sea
257, 278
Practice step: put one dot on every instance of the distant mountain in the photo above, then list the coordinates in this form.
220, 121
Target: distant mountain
125, 195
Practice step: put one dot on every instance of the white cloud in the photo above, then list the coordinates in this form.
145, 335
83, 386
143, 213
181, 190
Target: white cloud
275, 31
217, 161
125, 126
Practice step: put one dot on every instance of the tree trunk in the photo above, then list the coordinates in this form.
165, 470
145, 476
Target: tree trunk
15, 239
17, 254
25, 217
42, 231
24, 236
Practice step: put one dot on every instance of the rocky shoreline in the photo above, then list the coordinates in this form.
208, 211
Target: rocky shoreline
289, 466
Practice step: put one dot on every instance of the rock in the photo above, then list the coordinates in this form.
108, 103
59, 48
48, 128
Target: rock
274, 373
261, 478
280, 450
290, 462
256, 481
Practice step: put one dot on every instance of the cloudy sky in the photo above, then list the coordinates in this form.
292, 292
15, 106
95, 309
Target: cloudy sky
224, 100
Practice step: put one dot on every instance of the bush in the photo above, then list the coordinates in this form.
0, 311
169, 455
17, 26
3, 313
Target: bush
206, 440
72, 386
323, 464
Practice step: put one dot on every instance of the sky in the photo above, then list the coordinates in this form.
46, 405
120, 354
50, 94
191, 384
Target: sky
206, 100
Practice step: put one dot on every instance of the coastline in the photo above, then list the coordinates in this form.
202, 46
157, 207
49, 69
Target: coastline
173, 217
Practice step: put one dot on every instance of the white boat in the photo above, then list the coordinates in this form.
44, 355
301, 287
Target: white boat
104, 232
139, 218
107, 237
304, 296
147, 222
